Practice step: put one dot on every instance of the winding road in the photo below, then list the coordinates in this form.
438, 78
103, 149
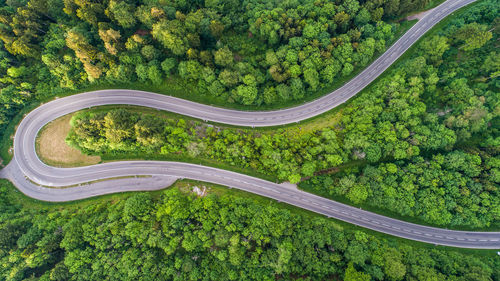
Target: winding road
43, 182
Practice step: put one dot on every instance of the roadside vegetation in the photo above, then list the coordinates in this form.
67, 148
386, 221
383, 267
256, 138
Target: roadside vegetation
421, 142
251, 53
177, 235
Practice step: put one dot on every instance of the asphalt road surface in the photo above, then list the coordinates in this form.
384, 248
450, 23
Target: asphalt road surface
37, 180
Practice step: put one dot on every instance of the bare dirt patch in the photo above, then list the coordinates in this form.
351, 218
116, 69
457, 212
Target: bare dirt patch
418, 16
52, 149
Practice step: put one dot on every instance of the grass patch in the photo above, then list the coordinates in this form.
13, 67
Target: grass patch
52, 149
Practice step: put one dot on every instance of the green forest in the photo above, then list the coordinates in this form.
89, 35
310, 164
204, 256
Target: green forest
175, 235
428, 131
422, 142
249, 52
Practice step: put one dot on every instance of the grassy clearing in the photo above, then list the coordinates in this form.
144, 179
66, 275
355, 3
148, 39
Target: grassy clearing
52, 149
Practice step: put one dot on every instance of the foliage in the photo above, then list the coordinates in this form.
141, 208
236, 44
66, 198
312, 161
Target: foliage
48, 47
456, 188
177, 236
429, 131
421, 108
454, 180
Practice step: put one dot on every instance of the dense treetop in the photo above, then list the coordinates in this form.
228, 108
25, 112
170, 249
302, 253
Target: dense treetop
423, 107
249, 52
422, 142
178, 236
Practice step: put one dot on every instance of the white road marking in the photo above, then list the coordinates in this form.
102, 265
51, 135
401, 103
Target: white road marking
107, 97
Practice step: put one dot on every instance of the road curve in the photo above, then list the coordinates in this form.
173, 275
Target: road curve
34, 178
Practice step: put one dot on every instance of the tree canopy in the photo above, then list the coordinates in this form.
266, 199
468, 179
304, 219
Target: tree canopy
422, 111
175, 235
